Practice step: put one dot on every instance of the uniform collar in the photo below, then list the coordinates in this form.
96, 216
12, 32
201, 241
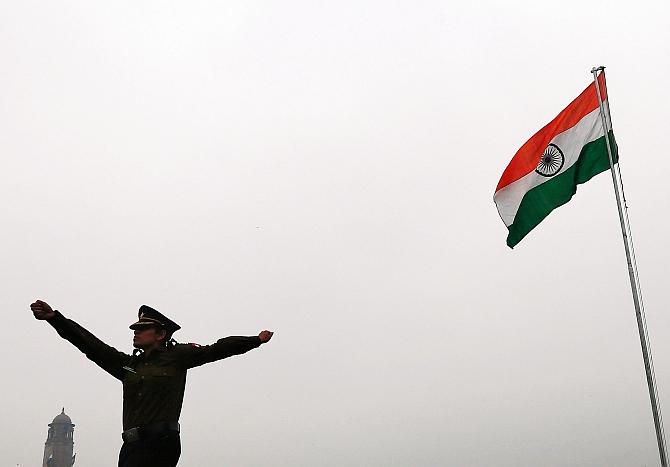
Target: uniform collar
143, 354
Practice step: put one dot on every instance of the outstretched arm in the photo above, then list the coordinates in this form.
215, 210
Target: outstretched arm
227, 347
103, 355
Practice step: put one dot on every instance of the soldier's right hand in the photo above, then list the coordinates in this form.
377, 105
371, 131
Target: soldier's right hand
42, 310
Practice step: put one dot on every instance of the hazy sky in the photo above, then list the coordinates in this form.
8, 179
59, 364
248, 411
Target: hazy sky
326, 170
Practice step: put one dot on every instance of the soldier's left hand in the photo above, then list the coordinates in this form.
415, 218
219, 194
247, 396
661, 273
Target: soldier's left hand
265, 336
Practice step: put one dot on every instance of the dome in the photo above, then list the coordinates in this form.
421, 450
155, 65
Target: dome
62, 418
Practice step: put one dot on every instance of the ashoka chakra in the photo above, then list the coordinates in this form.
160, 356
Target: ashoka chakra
551, 162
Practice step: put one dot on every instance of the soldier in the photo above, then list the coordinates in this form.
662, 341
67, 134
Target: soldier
153, 377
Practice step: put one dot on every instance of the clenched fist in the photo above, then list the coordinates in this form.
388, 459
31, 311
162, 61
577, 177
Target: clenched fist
42, 310
265, 336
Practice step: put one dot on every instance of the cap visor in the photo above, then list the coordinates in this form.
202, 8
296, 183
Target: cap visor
143, 325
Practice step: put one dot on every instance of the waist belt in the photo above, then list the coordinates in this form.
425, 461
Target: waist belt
149, 431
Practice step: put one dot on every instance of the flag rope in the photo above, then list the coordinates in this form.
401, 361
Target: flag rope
642, 310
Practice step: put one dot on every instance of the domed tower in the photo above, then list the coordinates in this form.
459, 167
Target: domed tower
60, 442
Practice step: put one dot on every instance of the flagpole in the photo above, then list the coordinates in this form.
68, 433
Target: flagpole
632, 274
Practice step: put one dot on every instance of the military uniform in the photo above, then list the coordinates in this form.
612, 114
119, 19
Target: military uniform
153, 384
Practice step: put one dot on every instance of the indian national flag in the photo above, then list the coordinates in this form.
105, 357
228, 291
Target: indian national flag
545, 171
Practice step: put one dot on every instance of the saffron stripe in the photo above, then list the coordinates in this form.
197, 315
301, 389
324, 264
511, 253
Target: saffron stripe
527, 157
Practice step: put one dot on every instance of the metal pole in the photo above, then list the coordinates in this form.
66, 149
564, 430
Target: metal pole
634, 279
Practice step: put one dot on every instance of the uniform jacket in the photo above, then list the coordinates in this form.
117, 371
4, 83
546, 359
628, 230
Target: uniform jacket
153, 385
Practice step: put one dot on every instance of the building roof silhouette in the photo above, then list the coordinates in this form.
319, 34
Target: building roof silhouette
62, 418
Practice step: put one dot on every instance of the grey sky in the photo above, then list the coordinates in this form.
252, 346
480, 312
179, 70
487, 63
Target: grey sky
326, 170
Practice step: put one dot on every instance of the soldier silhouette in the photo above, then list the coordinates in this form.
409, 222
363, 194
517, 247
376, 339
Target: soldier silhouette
153, 377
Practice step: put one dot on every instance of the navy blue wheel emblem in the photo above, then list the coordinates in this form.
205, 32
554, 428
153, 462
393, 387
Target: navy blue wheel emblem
551, 162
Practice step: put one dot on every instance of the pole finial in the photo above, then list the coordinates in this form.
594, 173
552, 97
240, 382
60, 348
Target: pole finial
597, 68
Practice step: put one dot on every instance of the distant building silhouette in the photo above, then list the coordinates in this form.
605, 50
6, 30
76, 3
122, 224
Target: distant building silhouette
60, 442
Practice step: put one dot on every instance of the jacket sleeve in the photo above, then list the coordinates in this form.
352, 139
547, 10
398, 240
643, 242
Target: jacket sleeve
193, 355
103, 355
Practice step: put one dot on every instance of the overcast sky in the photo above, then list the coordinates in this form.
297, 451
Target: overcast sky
326, 170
